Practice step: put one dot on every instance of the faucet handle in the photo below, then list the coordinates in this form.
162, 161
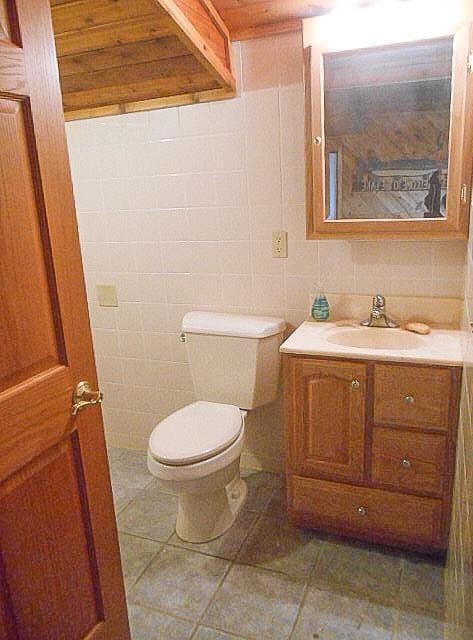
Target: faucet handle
379, 301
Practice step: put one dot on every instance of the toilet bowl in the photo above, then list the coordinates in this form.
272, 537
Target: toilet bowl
195, 453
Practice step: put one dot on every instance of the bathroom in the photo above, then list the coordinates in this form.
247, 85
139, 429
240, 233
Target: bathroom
176, 210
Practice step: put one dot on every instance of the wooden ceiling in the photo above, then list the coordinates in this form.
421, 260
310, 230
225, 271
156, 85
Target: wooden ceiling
254, 18
117, 56
126, 55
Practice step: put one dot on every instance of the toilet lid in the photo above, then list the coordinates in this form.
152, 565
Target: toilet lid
195, 433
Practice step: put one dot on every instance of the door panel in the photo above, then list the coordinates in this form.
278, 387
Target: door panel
60, 574
47, 498
29, 304
4, 21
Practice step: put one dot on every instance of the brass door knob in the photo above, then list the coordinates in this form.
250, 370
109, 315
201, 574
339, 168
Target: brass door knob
84, 396
409, 399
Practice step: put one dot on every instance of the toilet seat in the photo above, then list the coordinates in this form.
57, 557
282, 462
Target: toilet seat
195, 433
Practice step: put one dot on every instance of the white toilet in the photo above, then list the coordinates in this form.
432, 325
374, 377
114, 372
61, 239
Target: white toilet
196, 451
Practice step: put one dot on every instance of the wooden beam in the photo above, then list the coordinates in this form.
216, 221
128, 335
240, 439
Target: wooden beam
154, 103
196, 43
266, 29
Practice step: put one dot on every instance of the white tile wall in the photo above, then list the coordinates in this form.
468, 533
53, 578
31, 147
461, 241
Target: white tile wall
176, 207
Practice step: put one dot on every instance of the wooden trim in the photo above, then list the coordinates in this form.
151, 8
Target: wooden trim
289, 25
455, 225
147, 105
194, 41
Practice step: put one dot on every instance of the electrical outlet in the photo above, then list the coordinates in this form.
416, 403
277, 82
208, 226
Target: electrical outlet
279, 244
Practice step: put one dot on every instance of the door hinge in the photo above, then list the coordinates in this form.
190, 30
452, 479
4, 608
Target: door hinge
469, 62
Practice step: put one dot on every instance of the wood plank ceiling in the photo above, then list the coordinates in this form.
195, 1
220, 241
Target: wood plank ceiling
117, 56
254, 18
122, 55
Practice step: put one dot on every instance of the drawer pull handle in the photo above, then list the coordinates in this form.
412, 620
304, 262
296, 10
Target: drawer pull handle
362, 511
355, 384
409, 399
406, 463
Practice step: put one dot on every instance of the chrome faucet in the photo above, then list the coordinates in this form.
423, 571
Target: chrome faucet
378, 317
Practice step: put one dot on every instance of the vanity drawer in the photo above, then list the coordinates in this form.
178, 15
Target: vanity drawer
408, 460
412, 396
369, 513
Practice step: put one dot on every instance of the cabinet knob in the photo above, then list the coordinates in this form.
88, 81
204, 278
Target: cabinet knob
317, 140
362, 511
409, 399
355, 384
406, 463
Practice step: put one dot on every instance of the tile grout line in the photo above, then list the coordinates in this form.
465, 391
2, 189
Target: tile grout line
232, 563
201, 617
306, 590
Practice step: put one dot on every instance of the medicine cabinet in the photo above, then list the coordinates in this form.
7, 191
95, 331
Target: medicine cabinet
388, 133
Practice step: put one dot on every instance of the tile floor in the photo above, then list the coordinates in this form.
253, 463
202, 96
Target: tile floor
264, 579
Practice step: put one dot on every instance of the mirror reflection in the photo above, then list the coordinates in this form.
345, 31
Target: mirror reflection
386, 118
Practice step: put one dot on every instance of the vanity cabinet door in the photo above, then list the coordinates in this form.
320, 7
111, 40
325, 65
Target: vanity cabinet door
326, 418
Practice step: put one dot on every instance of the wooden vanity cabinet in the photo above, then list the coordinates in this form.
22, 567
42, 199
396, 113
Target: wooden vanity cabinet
370, 448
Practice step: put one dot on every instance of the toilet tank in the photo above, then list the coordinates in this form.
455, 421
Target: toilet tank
234, 359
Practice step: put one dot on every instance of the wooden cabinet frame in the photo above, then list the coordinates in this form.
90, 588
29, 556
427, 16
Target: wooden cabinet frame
304, 470
455, 224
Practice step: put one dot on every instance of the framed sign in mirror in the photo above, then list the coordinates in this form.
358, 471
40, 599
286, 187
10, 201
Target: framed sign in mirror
388, 132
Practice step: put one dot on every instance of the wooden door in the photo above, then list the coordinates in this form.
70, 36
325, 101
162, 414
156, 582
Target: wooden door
60, 574
327, 418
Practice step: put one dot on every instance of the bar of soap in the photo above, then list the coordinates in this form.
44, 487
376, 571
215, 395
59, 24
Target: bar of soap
418, 327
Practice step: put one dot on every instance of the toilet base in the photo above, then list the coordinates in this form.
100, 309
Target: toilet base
202, 517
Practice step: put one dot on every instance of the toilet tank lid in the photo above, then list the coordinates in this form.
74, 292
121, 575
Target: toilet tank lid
230, 324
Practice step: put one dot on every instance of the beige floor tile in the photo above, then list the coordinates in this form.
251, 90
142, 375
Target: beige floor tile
422, 582
146, 624
256, 604
261, 486
332, 616
277, 505
151, 514
412, 626
136, 554
129, 476
359, 570
275, 543
179, 582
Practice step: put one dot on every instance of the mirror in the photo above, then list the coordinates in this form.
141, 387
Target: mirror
387, 120
389, 136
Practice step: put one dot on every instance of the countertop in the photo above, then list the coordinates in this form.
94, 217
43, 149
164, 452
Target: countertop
441, 346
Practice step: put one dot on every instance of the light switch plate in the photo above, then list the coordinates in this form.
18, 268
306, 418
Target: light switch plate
107, 295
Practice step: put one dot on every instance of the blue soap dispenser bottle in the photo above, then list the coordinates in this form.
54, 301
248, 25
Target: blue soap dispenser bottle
320, 310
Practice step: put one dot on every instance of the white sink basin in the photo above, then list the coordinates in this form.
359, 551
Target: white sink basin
374, 338
347, 339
